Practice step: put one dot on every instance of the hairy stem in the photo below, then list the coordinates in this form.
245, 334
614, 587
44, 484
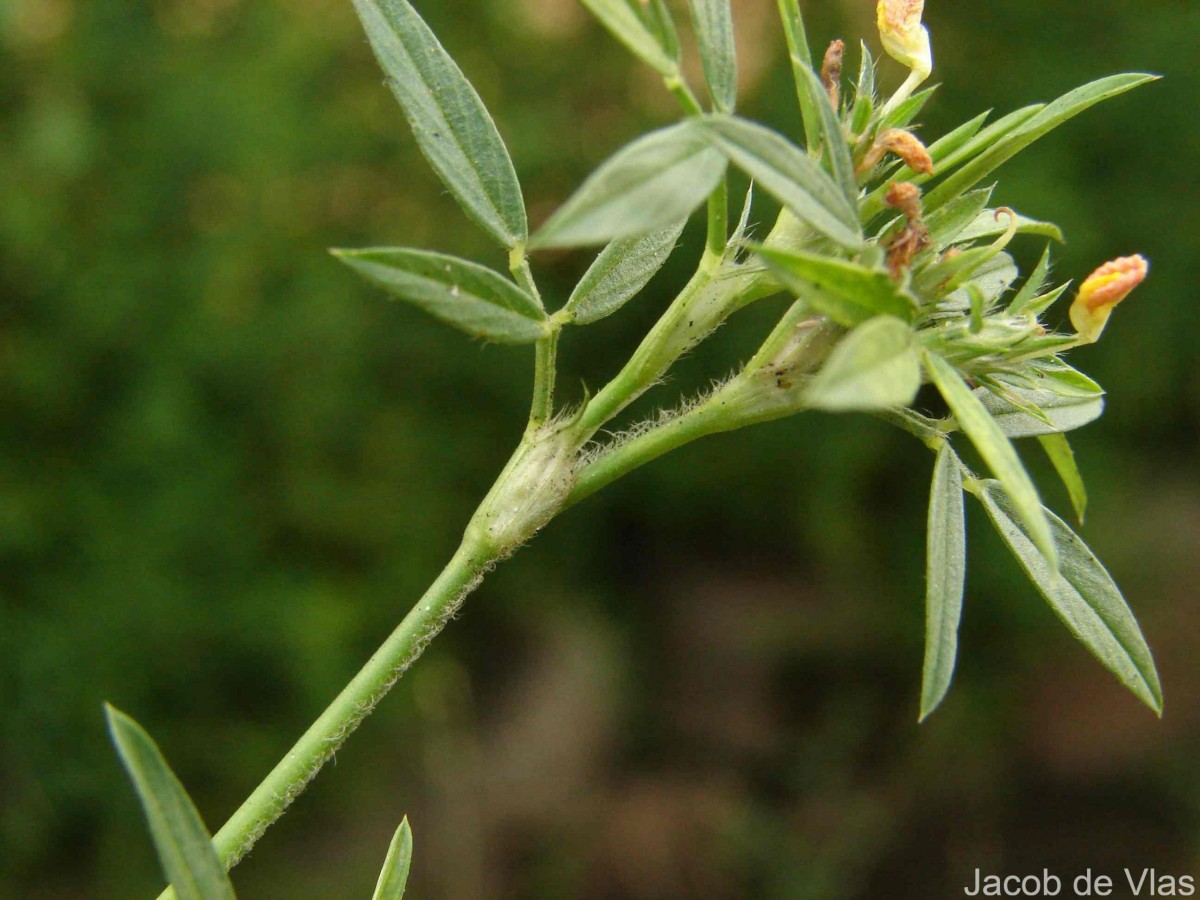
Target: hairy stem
625, 457
648, 362
546, 349
293, 773
527, 490
769, 387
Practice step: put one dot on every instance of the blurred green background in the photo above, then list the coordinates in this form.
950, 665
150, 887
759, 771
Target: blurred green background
229, 467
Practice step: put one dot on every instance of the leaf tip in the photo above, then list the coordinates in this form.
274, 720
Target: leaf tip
930, 705
115, 718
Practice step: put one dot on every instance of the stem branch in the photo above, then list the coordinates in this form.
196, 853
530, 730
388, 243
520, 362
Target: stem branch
638, 451
648, 362
323, 738
699, 308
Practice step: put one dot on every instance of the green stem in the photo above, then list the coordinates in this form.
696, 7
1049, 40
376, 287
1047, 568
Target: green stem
677, 86
356, 701
926, 430
518, 264
544, 372
626, 457
648, 362
545, 361
796, 347
718, 226
693, 314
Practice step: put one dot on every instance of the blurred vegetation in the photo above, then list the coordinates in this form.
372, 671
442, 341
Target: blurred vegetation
229, 467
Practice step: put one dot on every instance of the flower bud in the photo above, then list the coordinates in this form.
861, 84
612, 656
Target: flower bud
904, 37
909, 148
1102, 291
903, 144
906, 197
831, 72
903, 247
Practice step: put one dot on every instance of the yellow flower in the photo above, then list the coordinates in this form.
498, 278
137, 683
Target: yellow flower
904, 37
1102, 291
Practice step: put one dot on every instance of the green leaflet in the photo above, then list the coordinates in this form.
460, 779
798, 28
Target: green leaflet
986, 434
902, 115
864, 85
950, 272
1063, 412
860, 114
393, 878
994, 276
802, 63
1058, 448
658, 18
978, 303
620, 18
450, 122
184, 845
1044, 121
985, 225
619, 273
836, 151
873, 367
1082, 594
989, 136
1034, 283
713, 23
1060, 378
992, 272
946, 569
464, 294
943, 151
844, 291
743, 223
789, 174
951, 220
651, 183
1040, 304
1005, 391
